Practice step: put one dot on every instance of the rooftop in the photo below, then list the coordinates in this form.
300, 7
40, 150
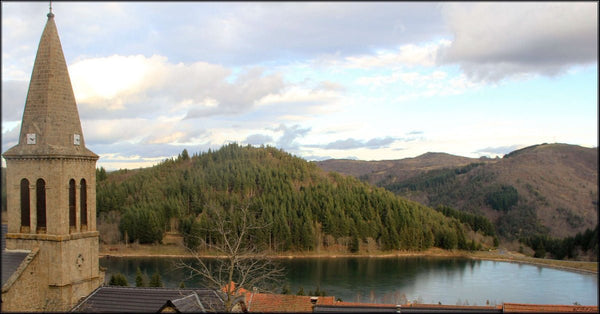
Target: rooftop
266, 302
11, 260
138, 299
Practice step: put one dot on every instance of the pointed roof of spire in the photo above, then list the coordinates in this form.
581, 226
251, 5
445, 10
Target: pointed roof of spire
50, 109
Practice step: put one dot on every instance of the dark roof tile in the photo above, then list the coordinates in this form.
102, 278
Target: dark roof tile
4, 231
133, 299
189, 304
10, 262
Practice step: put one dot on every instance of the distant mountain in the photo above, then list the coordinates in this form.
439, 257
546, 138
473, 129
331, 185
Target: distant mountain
542, 189
401, 169
302, 207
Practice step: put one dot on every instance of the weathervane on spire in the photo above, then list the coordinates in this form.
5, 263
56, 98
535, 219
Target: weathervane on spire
50, 6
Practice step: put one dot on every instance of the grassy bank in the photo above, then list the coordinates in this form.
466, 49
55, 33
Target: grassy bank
172, 250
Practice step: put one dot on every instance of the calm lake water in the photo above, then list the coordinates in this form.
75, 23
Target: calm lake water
391, 280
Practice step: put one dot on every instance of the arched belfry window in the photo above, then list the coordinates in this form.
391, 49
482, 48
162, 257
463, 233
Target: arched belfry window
72, 209
40, 193
25, 205
83, 203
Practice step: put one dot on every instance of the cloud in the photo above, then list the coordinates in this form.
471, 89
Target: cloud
258, 139
290, 134
14, 95
316, 157
218, 32
351, 143
412, 79
499, 150
493, 41
420, 84
265, 31
124, 86
406, 55
10, 138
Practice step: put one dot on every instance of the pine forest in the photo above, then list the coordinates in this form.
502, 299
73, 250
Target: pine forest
301, 207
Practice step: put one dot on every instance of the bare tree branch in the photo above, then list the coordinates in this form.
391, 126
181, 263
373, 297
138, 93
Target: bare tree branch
239, 264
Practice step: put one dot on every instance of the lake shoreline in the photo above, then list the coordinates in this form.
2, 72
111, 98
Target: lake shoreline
495, 255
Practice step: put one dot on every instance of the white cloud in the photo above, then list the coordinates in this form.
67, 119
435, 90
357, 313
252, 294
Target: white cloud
298, 95
123, 86
421, 84
111, 79
405, 55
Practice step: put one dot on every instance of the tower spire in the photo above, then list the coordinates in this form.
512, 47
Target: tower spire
50, 124
50, 14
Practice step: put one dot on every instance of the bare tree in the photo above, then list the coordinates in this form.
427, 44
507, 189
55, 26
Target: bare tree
239, 265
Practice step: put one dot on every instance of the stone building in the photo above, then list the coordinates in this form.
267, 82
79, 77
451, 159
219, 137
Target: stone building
50, 258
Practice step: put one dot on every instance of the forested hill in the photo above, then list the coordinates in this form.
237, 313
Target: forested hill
547, 189
302, 207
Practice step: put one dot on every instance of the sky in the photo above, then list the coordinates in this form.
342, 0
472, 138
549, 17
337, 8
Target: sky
320, 80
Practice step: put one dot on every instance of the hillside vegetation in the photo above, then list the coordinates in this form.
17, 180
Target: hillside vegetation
547, 190
302, 207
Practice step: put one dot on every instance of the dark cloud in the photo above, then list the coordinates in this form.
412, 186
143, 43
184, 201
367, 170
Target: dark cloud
493, 41
267, 31
235, 33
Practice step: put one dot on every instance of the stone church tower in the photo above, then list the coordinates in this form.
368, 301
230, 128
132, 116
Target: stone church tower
51, 192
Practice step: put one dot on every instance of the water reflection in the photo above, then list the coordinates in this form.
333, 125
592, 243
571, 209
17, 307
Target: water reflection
393, 280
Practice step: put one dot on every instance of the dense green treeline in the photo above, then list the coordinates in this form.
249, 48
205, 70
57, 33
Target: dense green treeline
476, 222
470, 188
502, 197
565, 247
430, 180
302, 207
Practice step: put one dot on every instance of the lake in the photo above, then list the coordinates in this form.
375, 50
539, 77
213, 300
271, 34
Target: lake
396, 279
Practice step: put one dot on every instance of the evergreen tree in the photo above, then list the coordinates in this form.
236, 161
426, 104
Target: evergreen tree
354, 243
155, 281
300, 291
118, 279
100, 174
139, 278
287, 194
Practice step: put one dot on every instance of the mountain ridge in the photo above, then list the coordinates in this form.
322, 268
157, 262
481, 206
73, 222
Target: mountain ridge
556, 184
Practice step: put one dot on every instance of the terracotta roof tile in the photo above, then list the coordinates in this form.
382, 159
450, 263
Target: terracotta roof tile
548, 308
266, 302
